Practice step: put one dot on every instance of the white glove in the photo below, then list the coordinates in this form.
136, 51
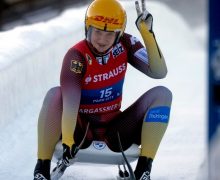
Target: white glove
143, 15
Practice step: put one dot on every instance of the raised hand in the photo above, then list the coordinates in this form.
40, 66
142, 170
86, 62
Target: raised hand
143, 15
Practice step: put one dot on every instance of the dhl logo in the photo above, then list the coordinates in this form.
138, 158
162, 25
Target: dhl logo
107, 20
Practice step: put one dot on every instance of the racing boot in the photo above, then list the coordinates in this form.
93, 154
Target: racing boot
143, 168
42, 170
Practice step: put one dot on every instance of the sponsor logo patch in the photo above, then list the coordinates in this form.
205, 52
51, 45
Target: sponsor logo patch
106, 76
76, 66
117, 50
100, 109
158, 114
99, 145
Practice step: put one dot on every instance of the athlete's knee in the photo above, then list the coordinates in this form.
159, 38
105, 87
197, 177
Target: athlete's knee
55, 91
162, 93
53, 95
165, 92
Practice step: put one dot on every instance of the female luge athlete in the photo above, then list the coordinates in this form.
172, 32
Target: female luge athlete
90, 90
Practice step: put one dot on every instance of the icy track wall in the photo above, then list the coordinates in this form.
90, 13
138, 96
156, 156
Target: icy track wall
31, 58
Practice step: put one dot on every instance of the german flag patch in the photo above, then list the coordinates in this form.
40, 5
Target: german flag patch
76, 66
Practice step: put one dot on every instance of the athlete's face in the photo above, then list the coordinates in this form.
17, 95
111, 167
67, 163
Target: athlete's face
102, 40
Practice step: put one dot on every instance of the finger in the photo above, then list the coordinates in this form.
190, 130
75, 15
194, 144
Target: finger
137, 8
143, 5
144, 16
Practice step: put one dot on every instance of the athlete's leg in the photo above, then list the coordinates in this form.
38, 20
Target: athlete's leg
144, 122
49, 123
155, 122
49, 131
141, 120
